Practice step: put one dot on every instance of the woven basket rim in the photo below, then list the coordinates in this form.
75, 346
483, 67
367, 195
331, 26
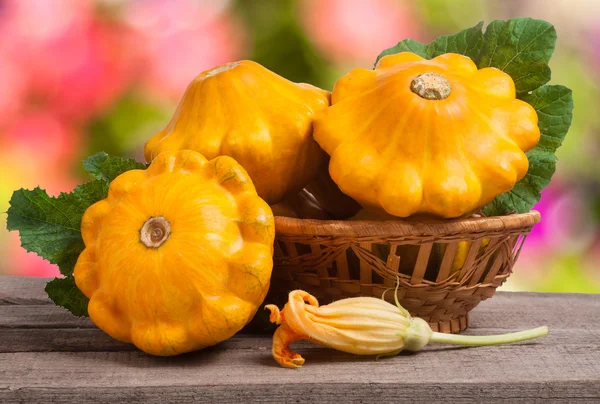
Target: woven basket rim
419, 228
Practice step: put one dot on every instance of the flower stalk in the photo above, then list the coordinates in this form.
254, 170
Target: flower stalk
485, 340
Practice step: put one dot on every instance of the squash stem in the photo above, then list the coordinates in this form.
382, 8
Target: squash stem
483, 340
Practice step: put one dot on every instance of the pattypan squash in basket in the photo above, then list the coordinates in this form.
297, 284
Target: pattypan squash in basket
436, 137
262, 120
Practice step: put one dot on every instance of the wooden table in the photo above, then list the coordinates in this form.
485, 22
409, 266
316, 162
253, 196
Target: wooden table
48, 355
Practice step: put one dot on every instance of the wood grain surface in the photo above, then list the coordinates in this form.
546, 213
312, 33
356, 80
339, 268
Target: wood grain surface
47, 355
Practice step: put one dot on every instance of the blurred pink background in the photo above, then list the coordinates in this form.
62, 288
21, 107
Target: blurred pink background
79, 77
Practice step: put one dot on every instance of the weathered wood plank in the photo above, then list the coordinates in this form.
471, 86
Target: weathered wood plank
506, 310
23, 290
40, 316
541, 362
59, 340
461, 393
95, 340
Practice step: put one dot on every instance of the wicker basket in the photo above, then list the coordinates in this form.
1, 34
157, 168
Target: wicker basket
337, 259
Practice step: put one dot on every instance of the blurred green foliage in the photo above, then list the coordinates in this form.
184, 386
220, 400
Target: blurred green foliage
128, 124
280, 44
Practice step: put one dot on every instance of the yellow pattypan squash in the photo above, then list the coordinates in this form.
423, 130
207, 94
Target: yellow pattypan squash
259, 118
178, 257
418, 136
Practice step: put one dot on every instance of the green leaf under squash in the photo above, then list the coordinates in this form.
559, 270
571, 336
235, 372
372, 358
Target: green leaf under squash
520, 47
64, 293
103, 167
554, 106
466, 42
49, 226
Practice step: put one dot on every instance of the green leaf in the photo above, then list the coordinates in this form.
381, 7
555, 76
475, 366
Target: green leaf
408, 45
103, 167
521, 47
554, 106
64, 292
50, 227
467, 42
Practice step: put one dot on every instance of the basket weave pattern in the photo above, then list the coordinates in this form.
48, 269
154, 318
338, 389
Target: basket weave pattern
338, 259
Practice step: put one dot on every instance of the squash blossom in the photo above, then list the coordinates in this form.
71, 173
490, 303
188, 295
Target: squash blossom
363, 326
